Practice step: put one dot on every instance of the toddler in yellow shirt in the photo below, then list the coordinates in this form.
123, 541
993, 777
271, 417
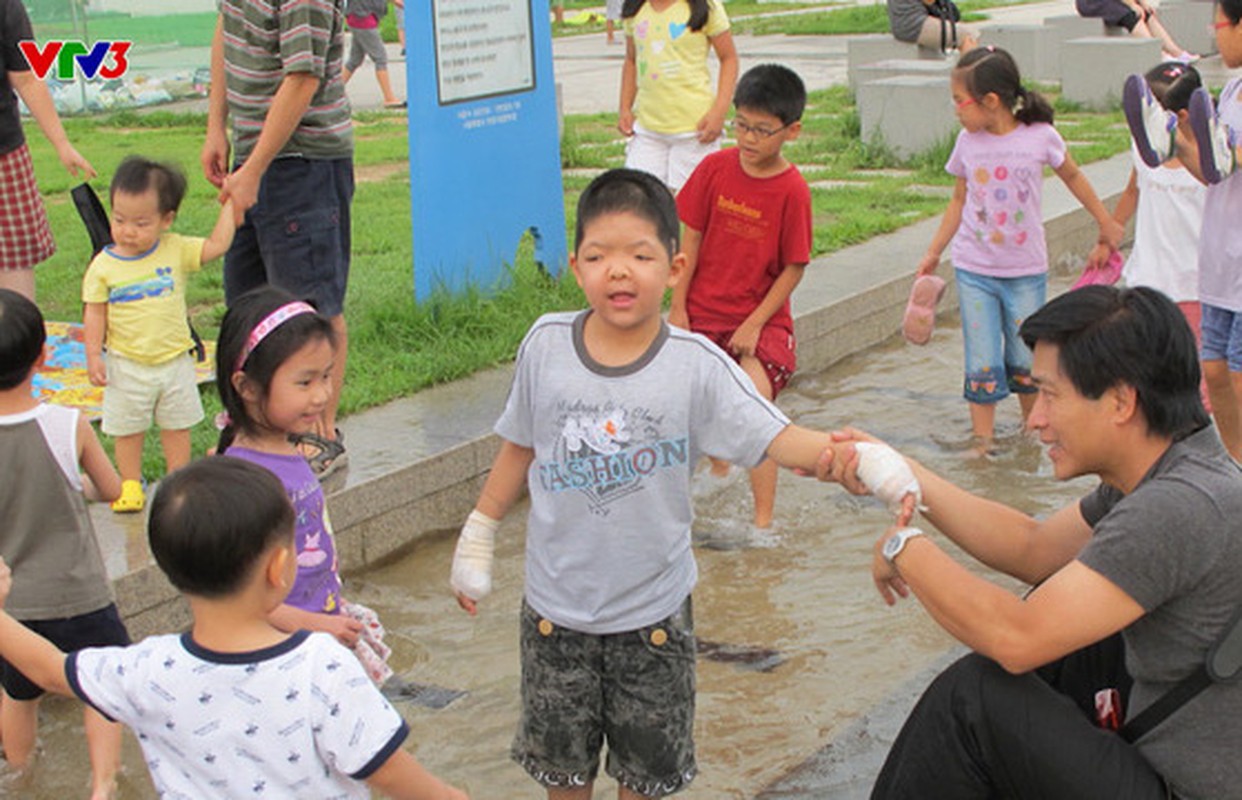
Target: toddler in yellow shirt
134, 291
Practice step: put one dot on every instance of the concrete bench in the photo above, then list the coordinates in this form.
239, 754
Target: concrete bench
1035, 48
1072, 26
893, 67
873, 47
1093, 69
908, 113
1189, 22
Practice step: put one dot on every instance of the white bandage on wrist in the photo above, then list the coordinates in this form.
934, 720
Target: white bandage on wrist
887, 474
472, 561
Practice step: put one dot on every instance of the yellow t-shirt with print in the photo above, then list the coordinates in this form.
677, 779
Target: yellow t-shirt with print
146, 297
675, 86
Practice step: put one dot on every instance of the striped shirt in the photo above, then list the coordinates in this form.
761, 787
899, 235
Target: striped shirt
264, 40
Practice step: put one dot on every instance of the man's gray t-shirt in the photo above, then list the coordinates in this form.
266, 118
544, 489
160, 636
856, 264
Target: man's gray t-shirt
608, 537
1174, 545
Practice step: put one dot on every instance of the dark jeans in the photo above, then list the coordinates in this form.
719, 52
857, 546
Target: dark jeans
980, 732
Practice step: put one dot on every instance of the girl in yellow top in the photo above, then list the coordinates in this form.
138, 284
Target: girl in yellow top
679, 118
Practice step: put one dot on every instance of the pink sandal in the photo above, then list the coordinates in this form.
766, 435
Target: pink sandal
920, 316
1106, 275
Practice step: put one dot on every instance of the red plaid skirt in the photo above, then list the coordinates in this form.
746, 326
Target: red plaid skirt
25, 236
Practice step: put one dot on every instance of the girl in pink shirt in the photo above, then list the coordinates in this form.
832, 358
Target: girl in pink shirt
995, 225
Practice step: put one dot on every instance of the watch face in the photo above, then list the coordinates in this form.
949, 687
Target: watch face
893, 546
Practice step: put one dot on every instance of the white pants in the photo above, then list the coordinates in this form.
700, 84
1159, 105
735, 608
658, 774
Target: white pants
671, 157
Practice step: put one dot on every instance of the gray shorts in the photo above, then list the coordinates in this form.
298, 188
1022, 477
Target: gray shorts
633, 691
366, 42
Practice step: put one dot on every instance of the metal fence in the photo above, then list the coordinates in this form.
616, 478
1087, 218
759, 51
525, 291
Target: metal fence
167, 60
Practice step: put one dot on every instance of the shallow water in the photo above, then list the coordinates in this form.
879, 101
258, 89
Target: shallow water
800, 605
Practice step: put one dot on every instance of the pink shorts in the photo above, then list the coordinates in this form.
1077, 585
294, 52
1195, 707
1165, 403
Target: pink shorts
775, 353
25, 236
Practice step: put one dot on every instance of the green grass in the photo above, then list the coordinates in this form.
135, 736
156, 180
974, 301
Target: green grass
850, 19
184, 30
397, 346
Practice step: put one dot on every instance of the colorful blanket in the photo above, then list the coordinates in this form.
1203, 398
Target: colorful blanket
63, 378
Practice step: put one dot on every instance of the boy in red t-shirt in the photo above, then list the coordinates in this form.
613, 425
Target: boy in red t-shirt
747, 213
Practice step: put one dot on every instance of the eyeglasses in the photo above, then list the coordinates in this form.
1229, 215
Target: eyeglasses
742, 129
1215, 26
964, 102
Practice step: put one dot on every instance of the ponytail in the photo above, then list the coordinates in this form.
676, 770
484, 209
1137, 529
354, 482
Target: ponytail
699, 10
1032, 107
988, 69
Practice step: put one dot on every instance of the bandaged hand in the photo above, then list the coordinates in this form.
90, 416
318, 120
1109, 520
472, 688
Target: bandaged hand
472, 561
887, 475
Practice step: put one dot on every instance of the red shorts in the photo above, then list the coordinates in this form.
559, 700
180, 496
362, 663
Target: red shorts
25, 236
775, 352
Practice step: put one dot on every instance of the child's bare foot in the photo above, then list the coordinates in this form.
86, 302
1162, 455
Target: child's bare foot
105, 791
981, 447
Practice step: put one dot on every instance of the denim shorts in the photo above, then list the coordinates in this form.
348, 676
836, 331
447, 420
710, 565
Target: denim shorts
633, 691
102, 628
1222, 336
997, 360
297, 234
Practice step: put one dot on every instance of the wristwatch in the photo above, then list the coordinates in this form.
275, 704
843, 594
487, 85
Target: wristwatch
894, 544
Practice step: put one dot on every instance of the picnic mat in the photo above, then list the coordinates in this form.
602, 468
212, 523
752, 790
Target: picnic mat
63, 380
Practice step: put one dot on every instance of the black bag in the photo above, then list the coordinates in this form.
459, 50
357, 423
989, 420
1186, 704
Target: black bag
948, 14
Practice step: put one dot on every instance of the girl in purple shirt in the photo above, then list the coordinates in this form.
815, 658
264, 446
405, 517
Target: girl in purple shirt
274, 375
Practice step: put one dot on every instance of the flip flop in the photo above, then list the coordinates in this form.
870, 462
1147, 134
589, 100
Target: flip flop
329, 456
1106, 275
920, 316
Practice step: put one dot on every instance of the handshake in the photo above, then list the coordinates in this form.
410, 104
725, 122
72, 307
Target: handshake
877, 469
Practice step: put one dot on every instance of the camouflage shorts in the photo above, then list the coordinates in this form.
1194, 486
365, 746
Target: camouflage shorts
633, 691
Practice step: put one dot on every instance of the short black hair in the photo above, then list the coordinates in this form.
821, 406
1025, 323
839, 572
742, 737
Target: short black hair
212, 520
21, 337
773, 89
136, 175
1232, 9
1108, 336
635, 192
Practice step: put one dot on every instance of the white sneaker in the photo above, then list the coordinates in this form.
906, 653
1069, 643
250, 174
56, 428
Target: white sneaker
1216, 141
1151, 125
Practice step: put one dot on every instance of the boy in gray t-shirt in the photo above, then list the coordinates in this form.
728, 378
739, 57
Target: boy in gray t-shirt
609, 411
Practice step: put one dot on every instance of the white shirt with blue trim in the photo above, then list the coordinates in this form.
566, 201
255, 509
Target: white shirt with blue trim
299, 719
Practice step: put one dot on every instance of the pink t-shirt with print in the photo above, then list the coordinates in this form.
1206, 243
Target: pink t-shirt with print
1002, 230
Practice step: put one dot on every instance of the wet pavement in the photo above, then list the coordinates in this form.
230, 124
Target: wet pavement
437, 443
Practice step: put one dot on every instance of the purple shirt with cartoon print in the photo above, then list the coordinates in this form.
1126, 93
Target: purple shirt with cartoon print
318, 586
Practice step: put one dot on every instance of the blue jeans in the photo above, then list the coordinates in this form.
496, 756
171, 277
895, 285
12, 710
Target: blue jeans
1221, 330
997, 360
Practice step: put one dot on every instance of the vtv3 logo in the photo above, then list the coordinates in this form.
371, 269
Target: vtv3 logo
103, 59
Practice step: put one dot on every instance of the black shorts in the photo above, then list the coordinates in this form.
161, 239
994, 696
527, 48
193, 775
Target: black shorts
1113, 12
102, 628
296, 236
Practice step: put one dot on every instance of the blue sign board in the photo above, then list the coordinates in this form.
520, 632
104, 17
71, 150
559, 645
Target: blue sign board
485, 163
